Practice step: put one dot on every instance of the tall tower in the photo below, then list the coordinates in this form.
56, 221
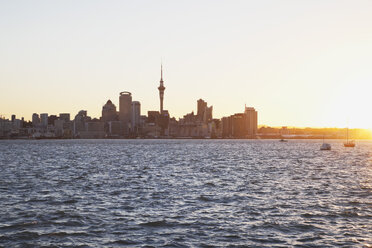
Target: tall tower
125, 110
161, 89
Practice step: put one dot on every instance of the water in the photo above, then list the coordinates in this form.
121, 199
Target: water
184, 193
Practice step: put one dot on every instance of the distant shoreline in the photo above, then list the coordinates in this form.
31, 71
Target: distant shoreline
183, 138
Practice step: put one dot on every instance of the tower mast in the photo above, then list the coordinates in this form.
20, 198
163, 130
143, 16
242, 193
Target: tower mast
161, 89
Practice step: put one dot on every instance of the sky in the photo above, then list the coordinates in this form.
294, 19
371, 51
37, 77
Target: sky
299, 63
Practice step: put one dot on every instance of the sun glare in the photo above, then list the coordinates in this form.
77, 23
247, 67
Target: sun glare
348, 105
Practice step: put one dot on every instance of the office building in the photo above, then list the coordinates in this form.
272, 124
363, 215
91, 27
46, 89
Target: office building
64, 116
204, 113
35, 119
250, 115
125, 110
44, 119
241, 125
109, 112
202, 105
136, 114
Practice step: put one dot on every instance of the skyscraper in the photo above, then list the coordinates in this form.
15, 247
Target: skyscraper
44, 119
35, 119
161, 89
109, 112
202, 105
125, 110
136, 113
64, 116
204, 113
250, 115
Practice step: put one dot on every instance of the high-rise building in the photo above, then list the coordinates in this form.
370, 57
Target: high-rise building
125, 110
44, 119
202, 105
238, 127
161, 89
35, 119
136, 114
78, 125
226, 124
250, 115
109, 112
13, 118
241, 125
64, 116
52, 119
204, 113
153, 116
208, 115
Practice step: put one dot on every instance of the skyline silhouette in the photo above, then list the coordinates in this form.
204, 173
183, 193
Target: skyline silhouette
300, 64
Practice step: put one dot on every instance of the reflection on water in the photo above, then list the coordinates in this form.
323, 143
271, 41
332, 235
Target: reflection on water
178, 193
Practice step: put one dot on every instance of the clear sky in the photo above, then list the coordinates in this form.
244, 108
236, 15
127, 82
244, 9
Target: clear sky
299, 63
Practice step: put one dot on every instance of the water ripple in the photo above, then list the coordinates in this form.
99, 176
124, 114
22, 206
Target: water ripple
184, 193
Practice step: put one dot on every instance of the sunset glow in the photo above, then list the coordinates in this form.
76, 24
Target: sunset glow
298, 63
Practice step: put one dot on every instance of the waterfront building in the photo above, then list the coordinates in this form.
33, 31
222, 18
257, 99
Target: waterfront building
94, 130
17, 124
250, 115
51, 119
125, 110
202, 105
173, 127
63, 126
153, 116
151, 127
5, 127
226, 127
109, 112
79, 123
208, 116
238, 126
114, 129
64, 116
44, 120
204, 113
163, 123
241, 125
35, 120
136, 114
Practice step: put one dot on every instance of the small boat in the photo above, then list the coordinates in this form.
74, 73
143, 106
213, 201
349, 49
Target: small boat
283, 140
325, 147
349, 143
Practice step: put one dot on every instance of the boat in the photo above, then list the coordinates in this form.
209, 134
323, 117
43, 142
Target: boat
325, 146
283, 140
349, 143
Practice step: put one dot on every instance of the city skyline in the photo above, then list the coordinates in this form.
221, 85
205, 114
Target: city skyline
300, 64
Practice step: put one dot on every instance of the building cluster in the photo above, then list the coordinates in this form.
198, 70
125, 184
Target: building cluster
127, 122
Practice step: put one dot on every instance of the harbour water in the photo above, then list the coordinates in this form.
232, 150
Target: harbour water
184, 193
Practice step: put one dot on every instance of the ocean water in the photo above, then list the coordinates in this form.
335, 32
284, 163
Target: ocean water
184, 193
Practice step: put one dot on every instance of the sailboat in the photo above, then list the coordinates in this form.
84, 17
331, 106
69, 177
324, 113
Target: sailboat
325, 146
349, 143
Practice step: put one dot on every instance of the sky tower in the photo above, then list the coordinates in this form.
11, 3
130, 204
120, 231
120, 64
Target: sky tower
161, 89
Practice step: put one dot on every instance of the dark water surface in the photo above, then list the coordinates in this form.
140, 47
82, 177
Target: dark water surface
184, 193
